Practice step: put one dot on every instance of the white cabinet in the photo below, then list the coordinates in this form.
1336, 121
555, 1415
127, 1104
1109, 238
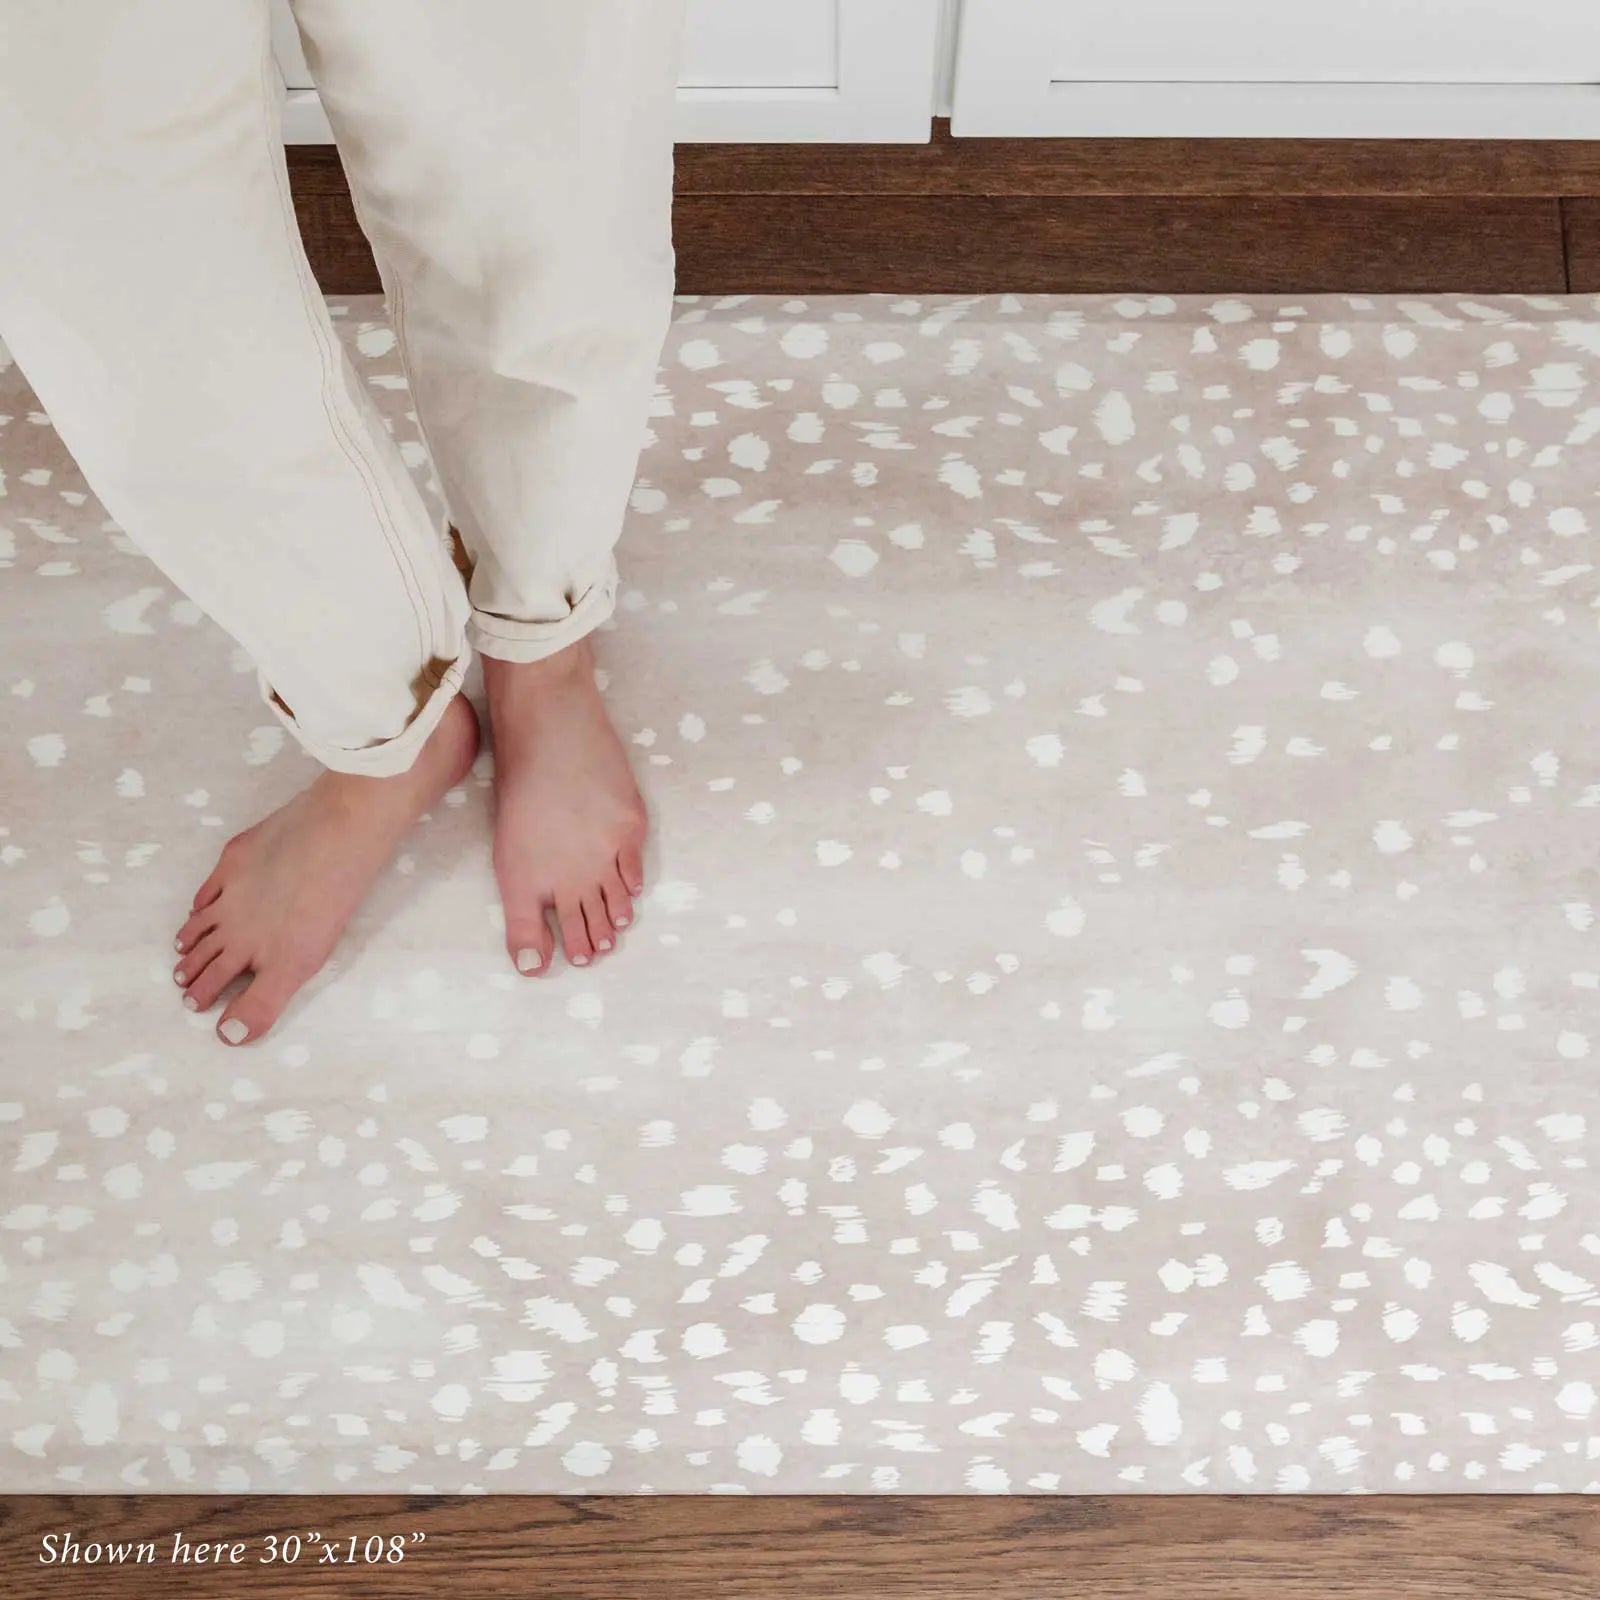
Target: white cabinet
1280, 68
848, 70
862, 71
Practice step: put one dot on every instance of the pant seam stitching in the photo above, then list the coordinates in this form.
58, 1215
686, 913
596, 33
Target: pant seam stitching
427, 643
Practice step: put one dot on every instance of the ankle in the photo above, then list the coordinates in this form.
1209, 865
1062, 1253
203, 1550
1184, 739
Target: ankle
569, 666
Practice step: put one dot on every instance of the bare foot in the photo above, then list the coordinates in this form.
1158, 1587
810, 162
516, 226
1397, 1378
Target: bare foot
282, 892
569, 825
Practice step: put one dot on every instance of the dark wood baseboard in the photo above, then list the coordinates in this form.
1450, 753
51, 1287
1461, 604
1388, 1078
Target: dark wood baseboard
1198, 216
1581, 220
1176, 1547
1182, 244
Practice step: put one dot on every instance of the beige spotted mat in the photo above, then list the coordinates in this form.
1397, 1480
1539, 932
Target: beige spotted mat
1115, 1011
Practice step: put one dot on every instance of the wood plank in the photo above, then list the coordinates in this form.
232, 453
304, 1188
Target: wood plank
1581, 217
340, 257
795, 244
819, 241
1260, 167
1535, 1547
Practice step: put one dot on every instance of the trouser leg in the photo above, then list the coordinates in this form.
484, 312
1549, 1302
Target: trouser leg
155, 293
511, 162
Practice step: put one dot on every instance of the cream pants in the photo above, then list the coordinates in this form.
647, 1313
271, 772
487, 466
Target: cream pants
511, 163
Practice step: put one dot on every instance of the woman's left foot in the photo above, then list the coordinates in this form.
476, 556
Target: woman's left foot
569, 824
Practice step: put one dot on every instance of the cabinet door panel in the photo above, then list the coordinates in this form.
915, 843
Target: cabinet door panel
1324, 41
847, 70
1369, 68
732, 43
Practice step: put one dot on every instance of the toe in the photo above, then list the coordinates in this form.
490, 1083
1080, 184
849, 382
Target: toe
201, 992
203, 953
601, 934
529, 942
574, 931
199, 924
209, 890
630, 864
619, 903
259, 1004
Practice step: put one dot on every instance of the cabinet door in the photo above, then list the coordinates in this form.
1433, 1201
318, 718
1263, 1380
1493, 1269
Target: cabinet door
852, 70
1314, 68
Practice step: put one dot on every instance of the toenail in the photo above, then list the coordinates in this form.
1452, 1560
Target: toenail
190, 1001
579, 961
529, 961
177, 944
605, 944
178, 977
622, 922
234, 1031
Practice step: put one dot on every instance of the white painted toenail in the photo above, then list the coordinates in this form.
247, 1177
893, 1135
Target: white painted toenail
579, 961
190, 1001
605, 944
529, 961
178, 977
177, 944
234, 1031
622, 922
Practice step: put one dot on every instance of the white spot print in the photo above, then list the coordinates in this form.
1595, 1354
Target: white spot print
970, 701
1067, 920
760, 1455
1232, 1010
1319, 1338
1114, 418
452, 1402
1045, 750
1391, 837
703, 1340
1159, 1415
854, 557
97, 1415
803, 341
765, 678
587, 1459
699, 355
376, 341
126, 616
1334, 970
868, 1119
1261, 355
819, 1324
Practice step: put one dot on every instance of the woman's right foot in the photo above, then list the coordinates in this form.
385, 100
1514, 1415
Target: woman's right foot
281, 894
569, 823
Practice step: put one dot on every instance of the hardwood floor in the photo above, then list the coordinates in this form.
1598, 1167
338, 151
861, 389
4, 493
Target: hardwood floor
835, 1548
1063, 215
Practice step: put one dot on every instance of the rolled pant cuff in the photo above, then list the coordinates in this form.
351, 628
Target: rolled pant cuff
387, 757
507, 640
